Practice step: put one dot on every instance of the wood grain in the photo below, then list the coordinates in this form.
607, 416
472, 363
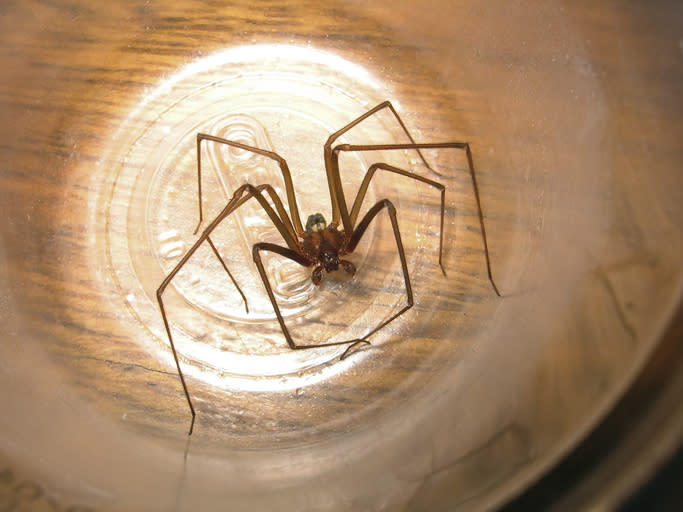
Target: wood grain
598, 96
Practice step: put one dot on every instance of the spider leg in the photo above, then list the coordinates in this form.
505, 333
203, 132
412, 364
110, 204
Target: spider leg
390, 168
301, 260
336, 193
358, 234
241, 195
438, 145
288, 233
284, 169
283, 215
225, 266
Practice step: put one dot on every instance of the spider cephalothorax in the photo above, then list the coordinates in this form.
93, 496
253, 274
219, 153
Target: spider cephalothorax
323, 244
320, 245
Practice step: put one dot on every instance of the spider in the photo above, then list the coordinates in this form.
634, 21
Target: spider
319, 244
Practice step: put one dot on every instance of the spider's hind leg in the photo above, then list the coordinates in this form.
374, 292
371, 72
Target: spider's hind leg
360, 196
284, 169
464, 146
225, 267
339, 208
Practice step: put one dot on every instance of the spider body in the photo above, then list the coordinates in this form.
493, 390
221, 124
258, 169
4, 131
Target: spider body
323, 245
320, 245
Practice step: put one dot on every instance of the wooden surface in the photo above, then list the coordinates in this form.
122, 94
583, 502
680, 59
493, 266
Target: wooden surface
575, 122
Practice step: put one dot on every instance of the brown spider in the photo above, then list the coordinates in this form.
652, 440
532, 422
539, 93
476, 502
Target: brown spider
320, 245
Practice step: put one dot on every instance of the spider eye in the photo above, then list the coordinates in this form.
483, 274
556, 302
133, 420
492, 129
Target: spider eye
315, 222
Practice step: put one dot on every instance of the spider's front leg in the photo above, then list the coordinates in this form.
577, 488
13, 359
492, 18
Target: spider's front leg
358, 233
241, 196
301, 260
